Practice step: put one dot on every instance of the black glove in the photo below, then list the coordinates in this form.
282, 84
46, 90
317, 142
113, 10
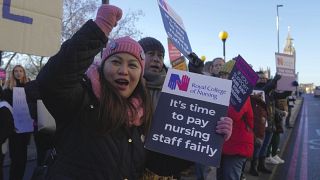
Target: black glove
195, 60
195, 63
277, 77
295, 83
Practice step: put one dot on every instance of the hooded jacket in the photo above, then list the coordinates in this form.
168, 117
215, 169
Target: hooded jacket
82, 154
241, 140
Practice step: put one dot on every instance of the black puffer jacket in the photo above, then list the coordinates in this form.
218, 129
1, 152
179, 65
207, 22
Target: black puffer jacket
82, 154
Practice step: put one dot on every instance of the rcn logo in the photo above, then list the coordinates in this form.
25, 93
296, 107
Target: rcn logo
182, 83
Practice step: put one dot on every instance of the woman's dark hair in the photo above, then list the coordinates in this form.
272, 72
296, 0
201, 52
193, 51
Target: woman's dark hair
113, 112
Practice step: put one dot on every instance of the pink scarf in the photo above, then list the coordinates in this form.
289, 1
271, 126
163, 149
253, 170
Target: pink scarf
93, 74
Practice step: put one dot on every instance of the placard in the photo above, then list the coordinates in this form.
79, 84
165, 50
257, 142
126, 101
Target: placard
174, 27
244, 79
285, 65
186, 116
31, 26
174, 53
22, 119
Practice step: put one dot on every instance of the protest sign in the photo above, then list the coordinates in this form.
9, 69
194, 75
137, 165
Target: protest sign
174, 53
186, 116
244, 79
285, 65
22, 119
31, 26
180, 64
174, 27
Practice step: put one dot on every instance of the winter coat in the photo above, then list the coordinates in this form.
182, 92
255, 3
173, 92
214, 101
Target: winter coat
268, 89
241, 140
82, 154
6, 122
260, 116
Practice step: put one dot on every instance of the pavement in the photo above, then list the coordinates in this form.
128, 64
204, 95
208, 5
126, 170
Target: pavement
32, 155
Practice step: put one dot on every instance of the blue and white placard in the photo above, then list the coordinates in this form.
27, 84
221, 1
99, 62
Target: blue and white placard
174, 27
185, 120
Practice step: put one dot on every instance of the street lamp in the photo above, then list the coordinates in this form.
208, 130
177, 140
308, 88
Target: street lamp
223, 35
278, 5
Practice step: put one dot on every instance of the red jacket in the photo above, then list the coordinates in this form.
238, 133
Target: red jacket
241, 140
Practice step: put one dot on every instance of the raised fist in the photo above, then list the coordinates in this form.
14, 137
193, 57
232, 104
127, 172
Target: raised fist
107, 17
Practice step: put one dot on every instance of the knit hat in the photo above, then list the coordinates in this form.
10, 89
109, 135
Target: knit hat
227, 67
124, 45
151, 44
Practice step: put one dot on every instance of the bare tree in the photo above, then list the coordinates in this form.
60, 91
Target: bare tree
127, 25
75, 14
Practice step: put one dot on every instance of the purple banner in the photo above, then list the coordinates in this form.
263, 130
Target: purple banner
244, 79
246, 70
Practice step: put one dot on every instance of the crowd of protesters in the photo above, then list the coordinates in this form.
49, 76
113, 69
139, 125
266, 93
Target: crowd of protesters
103, 110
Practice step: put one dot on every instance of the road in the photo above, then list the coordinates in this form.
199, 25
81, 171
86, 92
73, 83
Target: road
302, 154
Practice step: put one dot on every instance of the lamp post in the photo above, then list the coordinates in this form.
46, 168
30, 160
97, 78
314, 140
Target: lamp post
278, 5
223, 35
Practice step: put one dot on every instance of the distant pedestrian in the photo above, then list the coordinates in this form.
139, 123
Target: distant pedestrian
206, 68
291, 103
216, 66
268, 86
18, 142
259, 108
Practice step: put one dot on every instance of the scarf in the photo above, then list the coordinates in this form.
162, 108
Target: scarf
155, 80
93, 75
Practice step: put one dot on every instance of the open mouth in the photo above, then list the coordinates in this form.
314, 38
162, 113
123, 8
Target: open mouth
155, 67
122, 83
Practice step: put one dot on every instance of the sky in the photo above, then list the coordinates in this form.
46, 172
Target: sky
251, 26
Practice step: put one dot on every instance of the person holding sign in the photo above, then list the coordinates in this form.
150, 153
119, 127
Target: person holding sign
100, 119
268, 86
239, 147
157, 164
260, 117
18, 142
160, 165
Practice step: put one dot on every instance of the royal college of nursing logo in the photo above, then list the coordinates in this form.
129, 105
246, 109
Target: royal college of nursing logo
182, 83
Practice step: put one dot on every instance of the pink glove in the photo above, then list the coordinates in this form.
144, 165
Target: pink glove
107, 17
224, 126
